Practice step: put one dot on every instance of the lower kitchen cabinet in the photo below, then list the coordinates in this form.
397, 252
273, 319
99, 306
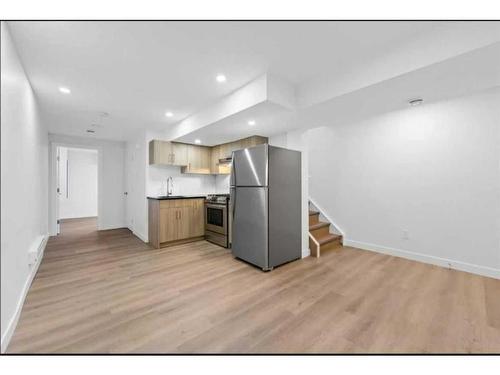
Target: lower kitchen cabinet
174, 221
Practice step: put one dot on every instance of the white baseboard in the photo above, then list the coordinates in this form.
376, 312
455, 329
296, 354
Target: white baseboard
437, 261
306, 252
39, 247
140, 235
109, 227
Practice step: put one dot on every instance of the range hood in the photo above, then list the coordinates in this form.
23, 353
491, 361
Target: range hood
225, 160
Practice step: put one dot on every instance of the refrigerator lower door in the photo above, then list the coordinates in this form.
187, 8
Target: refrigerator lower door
250, 225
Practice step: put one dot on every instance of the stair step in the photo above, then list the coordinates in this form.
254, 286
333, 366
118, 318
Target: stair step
313, 217
318, 225
330, 237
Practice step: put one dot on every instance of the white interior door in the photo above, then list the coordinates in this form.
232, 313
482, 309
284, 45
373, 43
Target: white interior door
130, 180
58, 188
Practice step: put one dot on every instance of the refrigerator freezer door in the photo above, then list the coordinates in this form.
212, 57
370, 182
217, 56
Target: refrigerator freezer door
250, 166
250, 225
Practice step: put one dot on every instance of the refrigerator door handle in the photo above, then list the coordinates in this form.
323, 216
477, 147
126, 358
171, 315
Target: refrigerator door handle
232, 201
232, 179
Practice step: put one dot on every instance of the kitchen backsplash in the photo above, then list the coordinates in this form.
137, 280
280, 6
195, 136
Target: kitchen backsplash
222, 184
184, 184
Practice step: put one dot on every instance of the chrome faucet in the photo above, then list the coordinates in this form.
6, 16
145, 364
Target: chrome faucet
170, 185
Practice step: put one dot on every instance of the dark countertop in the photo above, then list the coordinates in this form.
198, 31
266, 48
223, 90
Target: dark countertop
174, 197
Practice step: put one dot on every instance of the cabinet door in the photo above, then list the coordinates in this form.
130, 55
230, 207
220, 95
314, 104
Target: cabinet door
214, 160
179, 154
197, 219
194, 157
185, 216
198, 160
253, 141
205, 159
236, 145
169, 224
225, 151
160, 152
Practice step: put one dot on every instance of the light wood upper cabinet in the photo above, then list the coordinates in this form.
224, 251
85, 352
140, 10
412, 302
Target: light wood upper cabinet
214, 160
180, 154
168, 153
160, 152
198, 160
252, 141
225, 150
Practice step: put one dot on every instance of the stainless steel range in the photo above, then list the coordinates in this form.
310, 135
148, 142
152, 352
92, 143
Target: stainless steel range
216, 219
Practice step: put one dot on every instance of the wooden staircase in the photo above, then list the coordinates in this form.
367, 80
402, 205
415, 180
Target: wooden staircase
320, 238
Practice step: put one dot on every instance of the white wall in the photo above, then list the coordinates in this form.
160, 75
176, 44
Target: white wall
111, 179
24, 184
432, 170
78, 183
222, 183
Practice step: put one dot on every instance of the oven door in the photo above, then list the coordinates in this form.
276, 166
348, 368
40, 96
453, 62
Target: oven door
216, 218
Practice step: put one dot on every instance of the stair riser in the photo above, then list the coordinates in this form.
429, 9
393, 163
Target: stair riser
337, 244
313, 219
320, 231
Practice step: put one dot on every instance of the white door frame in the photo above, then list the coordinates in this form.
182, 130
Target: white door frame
53, 195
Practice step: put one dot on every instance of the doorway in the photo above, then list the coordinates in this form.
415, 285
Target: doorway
77, 190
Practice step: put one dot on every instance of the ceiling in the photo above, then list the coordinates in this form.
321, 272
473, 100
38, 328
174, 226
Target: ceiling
136, 71
478, 70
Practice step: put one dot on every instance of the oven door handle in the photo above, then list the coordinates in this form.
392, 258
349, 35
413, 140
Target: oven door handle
216, 206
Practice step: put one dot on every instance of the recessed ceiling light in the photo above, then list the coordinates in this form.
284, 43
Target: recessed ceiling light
64, 90
169, 114
220, 78
90, 131
415, 102
251, 122
197, 141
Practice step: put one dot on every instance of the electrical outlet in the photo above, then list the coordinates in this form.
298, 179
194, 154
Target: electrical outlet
405, 234
32, 258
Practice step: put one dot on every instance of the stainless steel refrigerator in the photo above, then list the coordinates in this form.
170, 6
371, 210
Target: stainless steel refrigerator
265, 205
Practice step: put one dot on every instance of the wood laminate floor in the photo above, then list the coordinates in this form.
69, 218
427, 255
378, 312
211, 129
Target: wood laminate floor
108, 292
